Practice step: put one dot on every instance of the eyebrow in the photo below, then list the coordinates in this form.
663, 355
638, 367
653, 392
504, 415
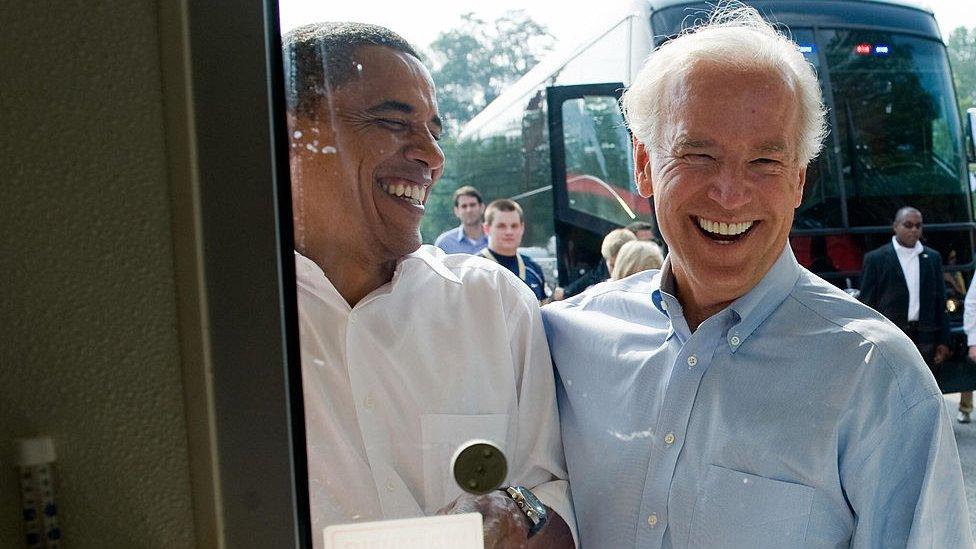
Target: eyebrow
772, 147
767, 147
686, 143
399, 106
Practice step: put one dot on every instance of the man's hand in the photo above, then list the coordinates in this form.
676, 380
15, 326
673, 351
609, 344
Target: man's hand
504, 523
972, 353
942, 353
558, 294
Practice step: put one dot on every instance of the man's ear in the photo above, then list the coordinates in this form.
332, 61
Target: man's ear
801, 183
642, 169
484, 228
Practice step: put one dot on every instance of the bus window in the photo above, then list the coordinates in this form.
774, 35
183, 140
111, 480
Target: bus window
599, 168
897, 128
821, 207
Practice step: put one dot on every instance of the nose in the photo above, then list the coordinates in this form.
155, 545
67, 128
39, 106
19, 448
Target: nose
730, 190
424, 148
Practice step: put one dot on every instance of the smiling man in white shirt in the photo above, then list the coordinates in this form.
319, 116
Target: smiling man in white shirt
406, 353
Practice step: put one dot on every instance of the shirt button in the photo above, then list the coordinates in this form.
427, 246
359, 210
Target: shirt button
669, 438
735, 340
692, 360
652, 520
368, 402
390, 487
664, 305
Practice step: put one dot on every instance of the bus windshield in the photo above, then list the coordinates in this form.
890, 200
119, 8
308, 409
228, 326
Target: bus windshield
896, 126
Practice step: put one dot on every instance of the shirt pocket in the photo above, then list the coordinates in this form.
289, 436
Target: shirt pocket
736, 509
442, 434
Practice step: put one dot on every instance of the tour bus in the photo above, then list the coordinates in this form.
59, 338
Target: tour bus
556, 140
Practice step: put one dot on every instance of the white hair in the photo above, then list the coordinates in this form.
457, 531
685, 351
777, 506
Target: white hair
735, 37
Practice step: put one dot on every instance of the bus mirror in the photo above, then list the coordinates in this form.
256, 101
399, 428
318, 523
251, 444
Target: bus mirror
971, 134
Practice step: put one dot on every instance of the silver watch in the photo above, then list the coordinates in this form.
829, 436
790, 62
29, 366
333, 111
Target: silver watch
534, 510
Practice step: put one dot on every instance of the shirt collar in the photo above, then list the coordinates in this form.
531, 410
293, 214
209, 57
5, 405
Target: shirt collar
432, 256
309, 273
462, 237
911, 252
754, 307
751, 309
664, 300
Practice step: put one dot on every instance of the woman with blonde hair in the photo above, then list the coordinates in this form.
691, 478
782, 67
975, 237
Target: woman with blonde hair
636, 256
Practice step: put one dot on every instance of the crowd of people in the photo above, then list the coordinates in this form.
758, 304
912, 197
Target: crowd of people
723, 396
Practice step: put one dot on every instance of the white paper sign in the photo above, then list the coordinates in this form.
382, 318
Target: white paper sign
440, 532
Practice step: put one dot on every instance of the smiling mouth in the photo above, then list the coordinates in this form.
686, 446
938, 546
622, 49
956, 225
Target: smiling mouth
405, 190
722, 232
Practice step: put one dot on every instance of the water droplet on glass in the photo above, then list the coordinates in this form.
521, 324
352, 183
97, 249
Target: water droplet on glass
329, 149
297, 134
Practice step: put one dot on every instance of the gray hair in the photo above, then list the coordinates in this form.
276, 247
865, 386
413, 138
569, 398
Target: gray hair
318, 57
738, 38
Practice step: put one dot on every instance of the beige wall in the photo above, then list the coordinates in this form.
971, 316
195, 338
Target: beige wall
89, 349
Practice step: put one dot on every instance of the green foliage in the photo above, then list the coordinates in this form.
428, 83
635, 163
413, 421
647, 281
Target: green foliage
471, 66
473, 63
962, 57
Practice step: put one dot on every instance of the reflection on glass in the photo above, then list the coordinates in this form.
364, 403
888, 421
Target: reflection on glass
599, 170
896, 126
407, 353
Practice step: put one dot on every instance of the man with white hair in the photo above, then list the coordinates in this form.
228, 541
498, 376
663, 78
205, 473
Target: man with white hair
745, 401
387, 398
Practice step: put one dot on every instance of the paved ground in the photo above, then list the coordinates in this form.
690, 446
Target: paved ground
966, 440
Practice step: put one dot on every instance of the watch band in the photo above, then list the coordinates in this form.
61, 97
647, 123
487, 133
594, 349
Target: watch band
530, 505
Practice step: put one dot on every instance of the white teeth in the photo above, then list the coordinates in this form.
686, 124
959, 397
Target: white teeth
727, 229
411, 193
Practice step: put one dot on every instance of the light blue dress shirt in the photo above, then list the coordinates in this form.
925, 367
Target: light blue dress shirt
795, 417
455, 242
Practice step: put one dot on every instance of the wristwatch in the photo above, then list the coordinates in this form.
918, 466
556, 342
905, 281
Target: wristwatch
534, 510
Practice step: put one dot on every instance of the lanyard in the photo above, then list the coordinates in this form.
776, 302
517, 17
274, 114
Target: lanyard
521, 264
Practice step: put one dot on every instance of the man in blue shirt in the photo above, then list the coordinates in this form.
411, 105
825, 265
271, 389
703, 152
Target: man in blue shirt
504, 226
466, 238
734, 399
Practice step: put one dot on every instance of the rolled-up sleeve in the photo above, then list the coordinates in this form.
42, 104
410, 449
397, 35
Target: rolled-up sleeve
906, 487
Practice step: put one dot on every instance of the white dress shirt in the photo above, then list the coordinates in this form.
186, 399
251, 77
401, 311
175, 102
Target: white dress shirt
908, 257
969, 314
451, 349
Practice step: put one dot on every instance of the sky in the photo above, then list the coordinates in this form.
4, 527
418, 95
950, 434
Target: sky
420, 22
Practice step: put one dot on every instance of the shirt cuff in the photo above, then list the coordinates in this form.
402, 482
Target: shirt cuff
555, 495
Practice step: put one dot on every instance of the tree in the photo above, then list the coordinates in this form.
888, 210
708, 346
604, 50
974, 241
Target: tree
962, 58
473, 63
471, 66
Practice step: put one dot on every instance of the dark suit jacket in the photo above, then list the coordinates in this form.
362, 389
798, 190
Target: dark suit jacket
883, 288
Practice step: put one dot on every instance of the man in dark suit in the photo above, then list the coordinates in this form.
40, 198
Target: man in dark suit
903, 280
